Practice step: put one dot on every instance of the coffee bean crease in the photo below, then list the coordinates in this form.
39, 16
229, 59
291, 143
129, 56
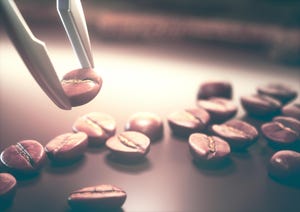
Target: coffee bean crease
130, 143
192, 117
76, 81
97, 190
25, 154
281, 126
237, 131
95, 123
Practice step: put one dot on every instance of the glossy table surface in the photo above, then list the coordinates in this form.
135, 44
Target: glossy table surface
158, 78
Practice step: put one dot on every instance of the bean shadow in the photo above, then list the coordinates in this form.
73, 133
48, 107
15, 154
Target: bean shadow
6, 204
256, 121
96, 149
180, 138
241, 154
129, 166
65, 167
157, 141
222, 168
293, 182
103, 210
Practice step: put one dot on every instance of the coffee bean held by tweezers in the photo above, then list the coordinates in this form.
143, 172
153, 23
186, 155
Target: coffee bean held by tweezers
208, 149
66, 147
219, 109
25, 157
188, 121
101, 197
215, 89
281, 92
239, 134
261, 106
8, 185
282, 131
129, 145
98, 126
292, 110
145, 122
285, 165
81, 85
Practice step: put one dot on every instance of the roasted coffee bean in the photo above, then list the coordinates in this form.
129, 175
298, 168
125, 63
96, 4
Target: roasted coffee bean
8, 186
188, 121
260, 105
219, 109
239, 134
26, 157
282, 131
98, 126
215, 89
209, 149
81, 85
67, 147
285, 165
129, 145
292, 110
97, 198
281, 92
145, 122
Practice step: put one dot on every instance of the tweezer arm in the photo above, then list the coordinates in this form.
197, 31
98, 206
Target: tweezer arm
72, 17
33, 53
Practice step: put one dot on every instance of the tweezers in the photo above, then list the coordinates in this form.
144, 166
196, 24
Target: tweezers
34, 52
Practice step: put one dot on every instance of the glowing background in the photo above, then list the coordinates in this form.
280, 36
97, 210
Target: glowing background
150, 77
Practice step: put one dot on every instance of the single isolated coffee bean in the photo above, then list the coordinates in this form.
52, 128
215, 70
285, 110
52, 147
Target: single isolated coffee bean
129, 145
81, 85
215, 89
145, 122
239, 134
98, 126
285, 165
67, 147
282, 131
261, 106
292, 110
210, 149
188, 121
98, 197
25, 157
8, 186
219, 109
281, 92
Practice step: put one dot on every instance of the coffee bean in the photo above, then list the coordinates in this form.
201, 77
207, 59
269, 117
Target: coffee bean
188, 121
260, 105
98, 126
285, 165
292, 110
209, 149
8, 186
145, 122
81, 85
99, 197
282, 131
25, 157
66, 147
219, 109
239, 134
215, 89
129, 145
281, 92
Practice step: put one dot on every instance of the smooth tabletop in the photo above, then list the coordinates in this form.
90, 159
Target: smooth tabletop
150, 77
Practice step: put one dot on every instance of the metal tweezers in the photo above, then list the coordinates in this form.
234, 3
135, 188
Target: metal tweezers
34, 52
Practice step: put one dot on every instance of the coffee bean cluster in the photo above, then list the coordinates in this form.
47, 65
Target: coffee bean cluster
209, 127
27, 157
